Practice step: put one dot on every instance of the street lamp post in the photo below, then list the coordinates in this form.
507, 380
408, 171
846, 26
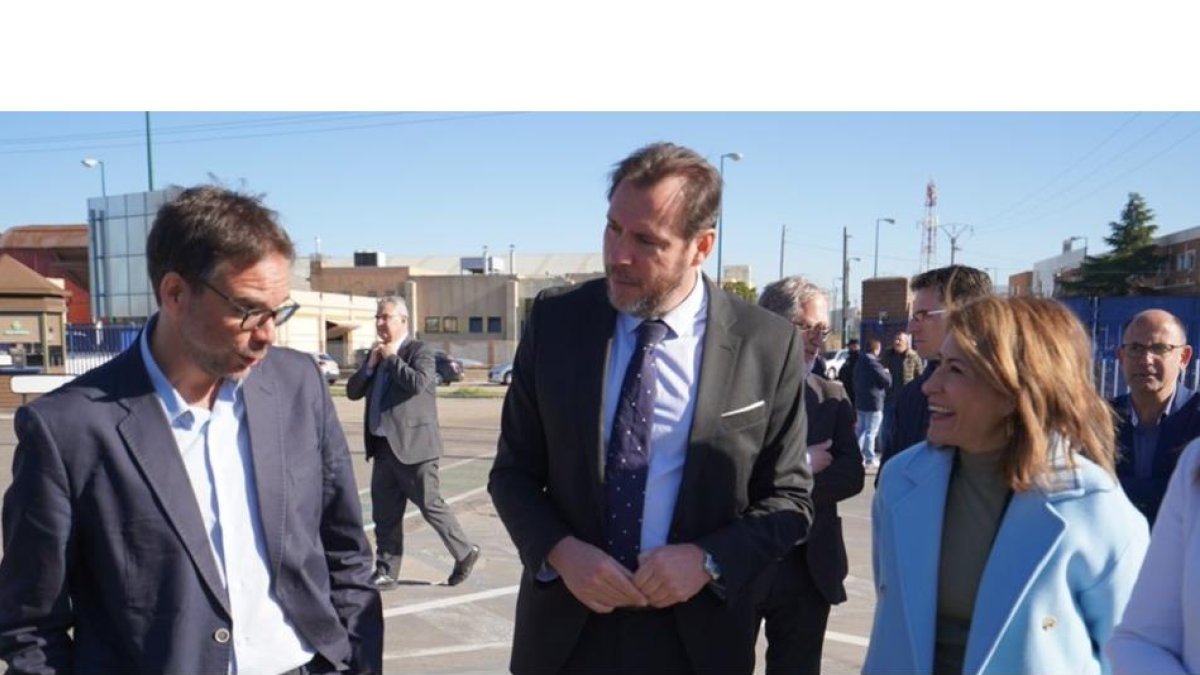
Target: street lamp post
890, 221
93, 163
737, 157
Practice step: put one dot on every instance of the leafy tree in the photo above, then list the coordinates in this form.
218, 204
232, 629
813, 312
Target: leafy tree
741, 289
1130, 268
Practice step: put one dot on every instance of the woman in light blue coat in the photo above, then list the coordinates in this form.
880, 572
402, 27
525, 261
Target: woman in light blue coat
1004, 543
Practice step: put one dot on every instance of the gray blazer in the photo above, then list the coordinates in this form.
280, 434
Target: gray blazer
107, 565
409, 406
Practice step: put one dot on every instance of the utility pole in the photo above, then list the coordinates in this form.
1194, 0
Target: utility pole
845, 280
954, 231
782, 241
149, 157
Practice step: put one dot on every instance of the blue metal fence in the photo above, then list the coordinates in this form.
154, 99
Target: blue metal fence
89, 346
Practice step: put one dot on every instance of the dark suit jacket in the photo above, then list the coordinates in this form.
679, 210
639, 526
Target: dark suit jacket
871, 382
107, 566
911, 424
831, 417
1178, 429
744, 495
409, 407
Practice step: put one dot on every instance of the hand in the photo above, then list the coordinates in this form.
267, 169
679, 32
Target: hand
819, 456
594, 577
671, 574
377, 354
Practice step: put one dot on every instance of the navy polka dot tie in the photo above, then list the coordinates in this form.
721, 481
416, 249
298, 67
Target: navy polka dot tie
628, 458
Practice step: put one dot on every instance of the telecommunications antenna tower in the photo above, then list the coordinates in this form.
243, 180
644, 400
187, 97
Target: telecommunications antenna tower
929, 228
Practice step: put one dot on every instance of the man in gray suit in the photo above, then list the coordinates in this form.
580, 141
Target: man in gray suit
190, 506
398, 378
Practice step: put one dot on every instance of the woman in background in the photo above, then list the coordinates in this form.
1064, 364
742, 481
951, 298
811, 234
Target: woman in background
1160, 632
1004, 544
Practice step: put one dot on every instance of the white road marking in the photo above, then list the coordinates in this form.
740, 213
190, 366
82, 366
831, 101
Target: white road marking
414, 512
449, 602
847, 639
442, 651
453, 465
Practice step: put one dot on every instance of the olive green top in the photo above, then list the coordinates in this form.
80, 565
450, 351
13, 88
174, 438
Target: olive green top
975, 503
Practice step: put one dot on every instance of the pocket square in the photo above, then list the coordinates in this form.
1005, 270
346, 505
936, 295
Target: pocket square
752, 406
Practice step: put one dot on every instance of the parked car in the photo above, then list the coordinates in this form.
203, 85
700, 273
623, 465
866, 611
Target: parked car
501, 374
449, 369
329, 367
834, 361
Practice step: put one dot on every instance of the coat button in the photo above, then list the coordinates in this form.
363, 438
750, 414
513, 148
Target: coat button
221, 635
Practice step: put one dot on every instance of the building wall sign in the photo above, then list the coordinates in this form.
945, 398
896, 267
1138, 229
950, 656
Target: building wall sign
17, 326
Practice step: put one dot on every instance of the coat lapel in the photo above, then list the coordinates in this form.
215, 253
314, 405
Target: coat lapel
916, 519
265, 421
152, 446
1028, 535
722, 342
594, 342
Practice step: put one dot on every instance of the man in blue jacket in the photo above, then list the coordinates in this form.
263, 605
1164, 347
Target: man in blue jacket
1159, 416
871, 382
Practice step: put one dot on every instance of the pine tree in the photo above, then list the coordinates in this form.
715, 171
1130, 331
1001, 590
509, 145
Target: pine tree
1130, 267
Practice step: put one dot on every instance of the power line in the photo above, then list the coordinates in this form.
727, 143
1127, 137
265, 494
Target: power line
1065, 171
1123, 152
297, 132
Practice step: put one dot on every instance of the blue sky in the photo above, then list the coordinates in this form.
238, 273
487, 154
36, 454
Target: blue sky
451, 183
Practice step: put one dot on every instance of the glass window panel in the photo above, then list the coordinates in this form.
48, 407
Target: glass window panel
116, 206
135, 204
449, 324
494, 324
433, 324
475, 324
140, 305
118, 276
115, 239
119, 306
139, 280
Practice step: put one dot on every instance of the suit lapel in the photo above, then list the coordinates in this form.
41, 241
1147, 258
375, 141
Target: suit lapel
722, 342
1029, 533
916, 519
152, 446
265, 422
594, 342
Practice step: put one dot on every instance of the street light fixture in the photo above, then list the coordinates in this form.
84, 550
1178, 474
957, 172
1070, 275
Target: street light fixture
93, 163
737, 157
890, 221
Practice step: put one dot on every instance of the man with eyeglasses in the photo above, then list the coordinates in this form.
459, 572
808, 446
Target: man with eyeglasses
935, 293
798, 591
1159, 415
399, 380
190, 506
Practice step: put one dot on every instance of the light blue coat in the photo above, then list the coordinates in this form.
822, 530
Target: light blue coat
1059, 574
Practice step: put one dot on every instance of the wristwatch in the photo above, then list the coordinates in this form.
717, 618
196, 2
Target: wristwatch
711, 568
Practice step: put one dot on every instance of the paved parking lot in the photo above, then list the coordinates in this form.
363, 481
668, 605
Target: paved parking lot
434, 629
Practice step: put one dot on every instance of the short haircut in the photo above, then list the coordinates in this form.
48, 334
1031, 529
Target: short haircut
1178, 323
873, 345
208, 225
1035, 353
701, 192
395, 301
787, 296
853, 341
956, 284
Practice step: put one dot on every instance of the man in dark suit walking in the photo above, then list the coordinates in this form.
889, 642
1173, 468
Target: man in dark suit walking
651, 454
800, 590
190, 506
1159, 415
398, 377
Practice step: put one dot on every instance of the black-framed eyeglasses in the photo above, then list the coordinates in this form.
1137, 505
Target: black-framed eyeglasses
922, 315
1157, 348
821, 330
253, 319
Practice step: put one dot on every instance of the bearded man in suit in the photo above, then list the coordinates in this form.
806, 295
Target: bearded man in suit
651, 455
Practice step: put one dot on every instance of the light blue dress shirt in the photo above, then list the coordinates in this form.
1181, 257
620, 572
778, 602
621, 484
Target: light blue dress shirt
215, 448
678, 369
